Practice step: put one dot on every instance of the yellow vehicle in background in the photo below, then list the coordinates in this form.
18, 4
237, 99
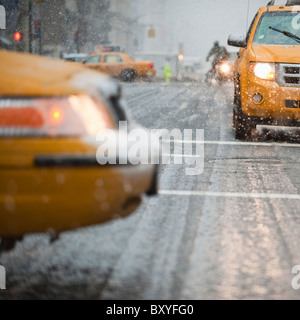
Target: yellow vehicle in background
120, 65
50, 179
267, 70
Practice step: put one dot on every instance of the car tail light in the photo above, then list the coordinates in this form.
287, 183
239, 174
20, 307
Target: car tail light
151, 65
67, 116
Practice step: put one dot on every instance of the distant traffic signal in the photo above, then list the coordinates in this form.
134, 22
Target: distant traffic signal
17, 36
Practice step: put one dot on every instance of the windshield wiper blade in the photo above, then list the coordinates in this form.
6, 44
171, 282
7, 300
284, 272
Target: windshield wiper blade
287, 34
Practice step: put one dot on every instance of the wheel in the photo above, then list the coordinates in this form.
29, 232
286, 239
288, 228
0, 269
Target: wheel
242, 125
128, 75
7, 244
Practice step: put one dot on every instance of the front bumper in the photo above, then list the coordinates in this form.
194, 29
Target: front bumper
274, 104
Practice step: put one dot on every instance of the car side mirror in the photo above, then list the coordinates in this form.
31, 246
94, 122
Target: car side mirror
237, 41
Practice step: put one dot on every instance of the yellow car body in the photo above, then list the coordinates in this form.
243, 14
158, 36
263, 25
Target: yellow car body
267, 71
53, 182
120, 65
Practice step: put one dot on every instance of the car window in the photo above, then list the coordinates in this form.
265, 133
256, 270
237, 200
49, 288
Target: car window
93, 59
283, 21
113, 58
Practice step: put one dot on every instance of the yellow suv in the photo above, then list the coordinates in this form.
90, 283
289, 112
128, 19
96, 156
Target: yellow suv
267, 70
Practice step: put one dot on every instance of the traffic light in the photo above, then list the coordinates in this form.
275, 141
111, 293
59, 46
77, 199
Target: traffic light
17, 36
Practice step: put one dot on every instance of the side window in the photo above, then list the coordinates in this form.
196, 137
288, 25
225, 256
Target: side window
93, 59
113, 58
250, 28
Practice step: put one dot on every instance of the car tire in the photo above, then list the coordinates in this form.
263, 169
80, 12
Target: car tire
7, 244
128, 75
242, 124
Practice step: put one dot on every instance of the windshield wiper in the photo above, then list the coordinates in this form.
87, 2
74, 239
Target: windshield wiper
287, 34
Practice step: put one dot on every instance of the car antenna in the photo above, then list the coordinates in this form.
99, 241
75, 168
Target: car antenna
271, 3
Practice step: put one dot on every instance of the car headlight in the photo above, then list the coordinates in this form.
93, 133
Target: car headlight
263, 70
225, 68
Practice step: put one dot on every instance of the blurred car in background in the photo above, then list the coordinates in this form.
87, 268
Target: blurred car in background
74, 57
191, 70
121, 66
50, 179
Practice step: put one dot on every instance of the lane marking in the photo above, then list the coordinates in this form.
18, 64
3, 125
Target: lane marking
170, 155
229, 194
236, 143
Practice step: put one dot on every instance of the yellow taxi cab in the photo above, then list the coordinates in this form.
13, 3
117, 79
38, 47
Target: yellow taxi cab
267, 70
51, 116
120, 65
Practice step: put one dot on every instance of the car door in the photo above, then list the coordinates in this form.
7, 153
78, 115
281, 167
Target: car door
113, 64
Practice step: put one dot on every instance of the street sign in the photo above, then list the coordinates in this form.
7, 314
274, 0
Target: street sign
152, 33
2, 278
2, 18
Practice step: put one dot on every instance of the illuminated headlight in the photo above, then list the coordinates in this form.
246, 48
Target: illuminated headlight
264, 71
225, 68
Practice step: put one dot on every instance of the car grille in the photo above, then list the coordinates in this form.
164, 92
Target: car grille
289, 75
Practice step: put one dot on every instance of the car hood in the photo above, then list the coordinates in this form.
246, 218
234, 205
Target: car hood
275, 53
32, 75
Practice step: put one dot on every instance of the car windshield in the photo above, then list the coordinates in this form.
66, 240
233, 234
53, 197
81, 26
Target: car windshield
284, 21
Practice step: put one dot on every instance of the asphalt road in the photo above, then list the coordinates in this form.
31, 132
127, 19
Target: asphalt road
231, 232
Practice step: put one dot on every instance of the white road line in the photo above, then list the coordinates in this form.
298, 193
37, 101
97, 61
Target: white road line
169, 155
236, 143
229, 194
